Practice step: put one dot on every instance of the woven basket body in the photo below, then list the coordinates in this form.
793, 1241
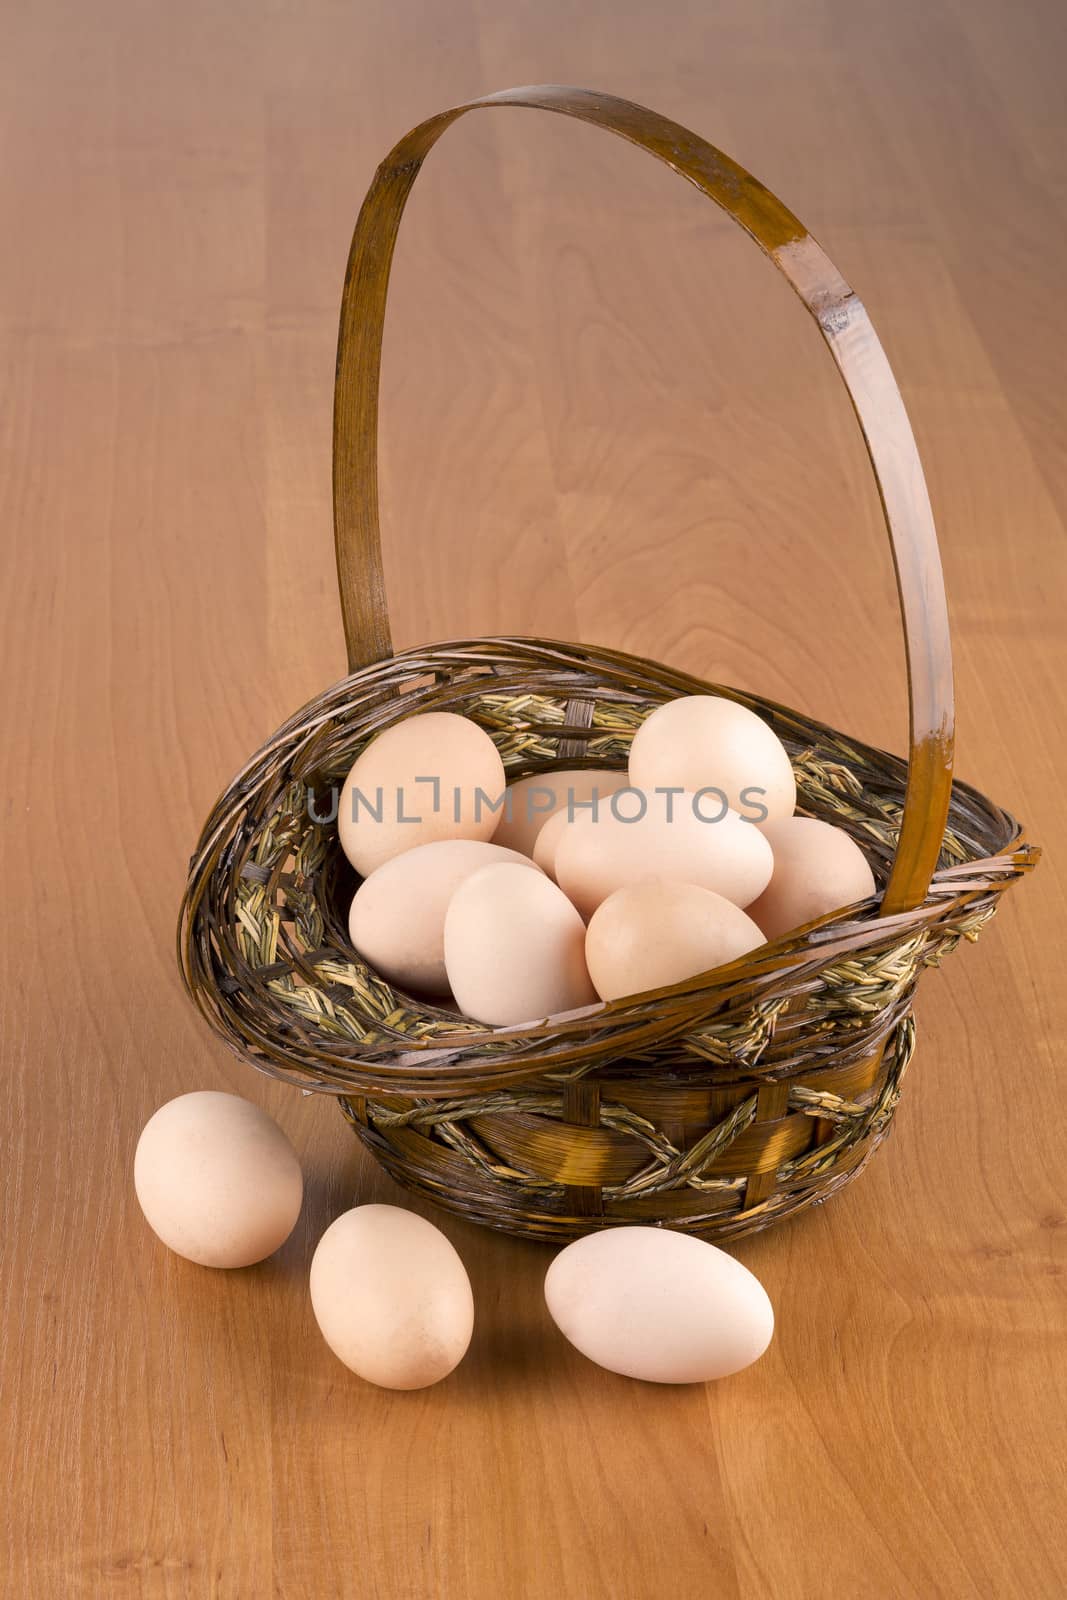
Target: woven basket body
715, 1106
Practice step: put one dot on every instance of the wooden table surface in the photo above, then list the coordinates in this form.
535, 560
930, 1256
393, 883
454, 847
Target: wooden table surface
605, 419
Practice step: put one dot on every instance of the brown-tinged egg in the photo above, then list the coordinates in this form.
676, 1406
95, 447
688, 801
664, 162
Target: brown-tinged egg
650, 935
397, 918
547, 842
433, 776
702, 741
531, 801
683, 839
817, 869
515, 948
217, 1179
392, 1297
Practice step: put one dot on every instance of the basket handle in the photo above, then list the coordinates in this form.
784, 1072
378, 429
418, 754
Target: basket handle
844, 325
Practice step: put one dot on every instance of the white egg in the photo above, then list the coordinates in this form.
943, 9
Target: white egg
217, 1179
683, 839
703, 741
432, 776
817, 869
531, 801
515, 948
391, 1297
654, 1304
397, 918
654, 934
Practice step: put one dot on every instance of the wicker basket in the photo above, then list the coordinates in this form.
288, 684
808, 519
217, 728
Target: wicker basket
718, 1105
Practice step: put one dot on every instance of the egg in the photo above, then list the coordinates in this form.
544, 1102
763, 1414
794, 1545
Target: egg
547, 842
817, 869
654, 1304
391, 1297
433, 776
531, 801
702, 741
653, 934
515, 948
397, 918
217, 1179
683, 838
578, 804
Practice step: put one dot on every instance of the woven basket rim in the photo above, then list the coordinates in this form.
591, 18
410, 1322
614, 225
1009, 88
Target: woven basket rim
636, 1022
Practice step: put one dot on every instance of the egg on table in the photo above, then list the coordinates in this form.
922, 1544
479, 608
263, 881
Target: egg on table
515, 948
705, 741
391, 1297
432, 776
217, 1179
650, 935
817, 869
530, 802
397, 917
659, 1305
681, 838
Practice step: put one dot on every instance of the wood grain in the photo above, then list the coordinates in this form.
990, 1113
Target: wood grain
603, 419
